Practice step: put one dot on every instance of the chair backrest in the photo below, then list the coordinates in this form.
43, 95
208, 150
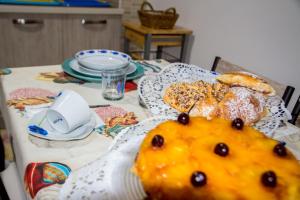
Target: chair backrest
223, 66
295, 112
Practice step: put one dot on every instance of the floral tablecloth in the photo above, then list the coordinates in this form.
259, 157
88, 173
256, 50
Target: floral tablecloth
45, 164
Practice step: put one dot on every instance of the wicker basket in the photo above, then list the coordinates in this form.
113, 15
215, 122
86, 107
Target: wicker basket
157, 19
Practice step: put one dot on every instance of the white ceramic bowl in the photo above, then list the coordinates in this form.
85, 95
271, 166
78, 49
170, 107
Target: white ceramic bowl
102, 59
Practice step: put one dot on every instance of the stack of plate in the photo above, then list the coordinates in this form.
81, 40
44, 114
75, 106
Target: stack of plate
88, 64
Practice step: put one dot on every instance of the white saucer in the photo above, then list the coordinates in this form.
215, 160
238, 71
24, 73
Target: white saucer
95, 73
77, 134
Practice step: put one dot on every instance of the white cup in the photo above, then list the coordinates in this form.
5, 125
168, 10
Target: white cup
68, 112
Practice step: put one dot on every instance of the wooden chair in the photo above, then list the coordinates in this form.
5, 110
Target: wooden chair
223, 66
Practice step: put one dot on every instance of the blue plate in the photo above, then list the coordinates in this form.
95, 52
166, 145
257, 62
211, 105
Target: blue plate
87, 3
31, 2
139, 72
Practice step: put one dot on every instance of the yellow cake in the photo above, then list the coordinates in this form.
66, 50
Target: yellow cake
194, 158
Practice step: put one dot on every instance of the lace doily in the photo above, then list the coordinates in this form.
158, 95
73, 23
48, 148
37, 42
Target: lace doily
110, 177
151, 90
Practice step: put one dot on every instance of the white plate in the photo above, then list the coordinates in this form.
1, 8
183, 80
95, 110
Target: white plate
95, 73
110, 177
152, 88
131, 68
100, 59
77, 134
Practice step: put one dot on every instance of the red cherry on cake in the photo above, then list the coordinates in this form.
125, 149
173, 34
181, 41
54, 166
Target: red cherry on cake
269, 179
198, 179
237, 124
183, 118
221, 149
157, 141
280, 150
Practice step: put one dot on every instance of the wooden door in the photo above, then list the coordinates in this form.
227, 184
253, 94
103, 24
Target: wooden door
30, 40
91, 32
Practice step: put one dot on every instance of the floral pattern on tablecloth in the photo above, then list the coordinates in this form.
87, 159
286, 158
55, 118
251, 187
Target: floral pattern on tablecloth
130, 86
40, 175
115, 119
5, 71
22, 97
58, 77
62, 77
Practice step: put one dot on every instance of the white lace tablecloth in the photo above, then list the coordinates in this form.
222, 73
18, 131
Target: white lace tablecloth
73, 154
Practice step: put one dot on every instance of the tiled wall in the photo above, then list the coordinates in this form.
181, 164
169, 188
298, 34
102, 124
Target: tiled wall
130, 9
130, 13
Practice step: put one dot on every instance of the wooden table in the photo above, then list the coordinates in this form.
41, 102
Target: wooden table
31, 151
144, 37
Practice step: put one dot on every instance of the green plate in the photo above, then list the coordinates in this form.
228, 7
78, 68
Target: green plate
66, 67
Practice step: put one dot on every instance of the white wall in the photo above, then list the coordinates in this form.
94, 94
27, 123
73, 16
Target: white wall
260, 35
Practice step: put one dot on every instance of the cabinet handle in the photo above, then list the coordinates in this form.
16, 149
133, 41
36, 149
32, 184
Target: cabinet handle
22, 21
88, 22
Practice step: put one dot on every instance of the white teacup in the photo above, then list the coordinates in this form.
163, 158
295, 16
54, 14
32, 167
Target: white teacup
68, 112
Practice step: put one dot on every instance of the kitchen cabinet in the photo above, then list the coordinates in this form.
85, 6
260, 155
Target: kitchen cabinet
40, 35
91, 32
28, 39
